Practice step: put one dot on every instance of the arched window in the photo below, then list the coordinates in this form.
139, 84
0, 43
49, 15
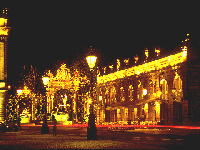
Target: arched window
177, 88
164, 89
139, 91
122, 93
130, 91
112, 94
151, 88
107, 96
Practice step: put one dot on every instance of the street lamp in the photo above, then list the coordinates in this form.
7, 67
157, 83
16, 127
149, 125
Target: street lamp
91, 60
45, 128
19, 92
91, 129
144, 91
45, 80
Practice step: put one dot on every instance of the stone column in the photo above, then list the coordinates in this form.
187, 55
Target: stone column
163, 113
170, 98
126, 83
117, 87
185, 112
130, 116
150, 112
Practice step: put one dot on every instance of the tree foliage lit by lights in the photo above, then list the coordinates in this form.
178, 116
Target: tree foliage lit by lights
30, 83
80, 64
31, 78
11, 108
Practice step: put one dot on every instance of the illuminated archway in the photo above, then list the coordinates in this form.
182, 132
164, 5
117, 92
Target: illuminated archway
177, 88
113, 94
63, 107
63, 80
139, 91
130, 91
164, 89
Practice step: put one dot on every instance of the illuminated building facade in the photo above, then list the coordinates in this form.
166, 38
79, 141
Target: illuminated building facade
4, 33
161, 91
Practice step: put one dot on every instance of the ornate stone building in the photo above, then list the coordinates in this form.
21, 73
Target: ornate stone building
162, 91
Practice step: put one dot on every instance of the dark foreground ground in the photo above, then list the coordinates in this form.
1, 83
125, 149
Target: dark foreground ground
76, 138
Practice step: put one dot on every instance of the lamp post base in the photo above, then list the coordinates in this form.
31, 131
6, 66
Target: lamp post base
92, 133
45, 130
91, 129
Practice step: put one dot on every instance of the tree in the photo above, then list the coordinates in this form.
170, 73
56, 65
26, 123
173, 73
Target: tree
31, 78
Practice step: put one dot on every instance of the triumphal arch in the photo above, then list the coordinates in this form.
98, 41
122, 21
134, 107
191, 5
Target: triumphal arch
63, 81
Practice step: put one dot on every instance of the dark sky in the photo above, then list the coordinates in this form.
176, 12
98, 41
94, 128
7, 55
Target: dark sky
43, 33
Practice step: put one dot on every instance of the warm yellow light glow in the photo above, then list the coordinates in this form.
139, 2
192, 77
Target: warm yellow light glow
177, 76
157, 108
147, 53
146, 105
89, 101
19, 92
158, 94
3, 22
162, 81
118, 64
144, 68
26, 91
111, 67
100, 98
184, 50
3, 29
2, 84
136, 58
146, 110
45, 80
91, 60
62, 80
104, 70
144, 91
157, 51
135, 112
126, 61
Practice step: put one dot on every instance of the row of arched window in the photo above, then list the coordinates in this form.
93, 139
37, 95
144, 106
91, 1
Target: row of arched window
149, 89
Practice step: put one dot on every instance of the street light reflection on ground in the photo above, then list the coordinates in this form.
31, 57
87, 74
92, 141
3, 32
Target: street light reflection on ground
124, 126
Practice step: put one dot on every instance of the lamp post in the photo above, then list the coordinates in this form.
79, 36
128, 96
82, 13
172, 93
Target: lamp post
19, 92
45, 128
91, 129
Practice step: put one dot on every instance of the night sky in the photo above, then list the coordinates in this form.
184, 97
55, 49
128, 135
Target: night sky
43, 33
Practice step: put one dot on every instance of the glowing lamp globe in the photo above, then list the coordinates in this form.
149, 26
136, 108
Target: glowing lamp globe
45, 80
91, 60
19, 92
145, 91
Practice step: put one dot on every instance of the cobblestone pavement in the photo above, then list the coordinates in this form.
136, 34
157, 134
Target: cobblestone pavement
76, 138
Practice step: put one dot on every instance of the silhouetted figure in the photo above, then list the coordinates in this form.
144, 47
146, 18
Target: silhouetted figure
54, 127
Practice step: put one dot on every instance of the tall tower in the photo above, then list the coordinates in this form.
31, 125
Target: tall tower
4, 34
